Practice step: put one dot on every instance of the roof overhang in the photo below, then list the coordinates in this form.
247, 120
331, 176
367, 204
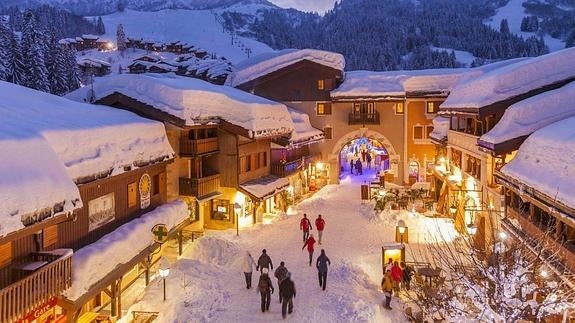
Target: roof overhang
264, 187
501, 148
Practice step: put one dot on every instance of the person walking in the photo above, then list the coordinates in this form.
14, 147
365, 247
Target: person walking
407, 274
321, 264
264, 261
389, 264
265, 288
305, 226
387, 288
248, 268
351, 166
319, 225
309, 243
396, 275
368, 160
287, 294
281, 274
358, 167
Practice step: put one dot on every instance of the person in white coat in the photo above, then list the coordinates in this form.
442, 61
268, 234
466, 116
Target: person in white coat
248, 268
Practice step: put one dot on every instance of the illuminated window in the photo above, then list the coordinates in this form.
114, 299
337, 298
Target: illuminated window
323, 109
399, 108
432, 107
320, 84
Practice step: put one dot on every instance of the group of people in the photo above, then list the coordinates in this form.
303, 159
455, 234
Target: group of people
395, 277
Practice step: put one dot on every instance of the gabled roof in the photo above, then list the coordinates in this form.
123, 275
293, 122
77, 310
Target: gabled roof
525, 117
193, 101
267, 63
511, 81
546, 161
396, 84
304, 133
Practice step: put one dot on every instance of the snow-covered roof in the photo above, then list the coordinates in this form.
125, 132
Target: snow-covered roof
440, 127
161, 65
527, 116
89, 61
265, 186
92, 263
512, 80
304, 132
392, 84
194, 100
49, 142
90, 36
546, 162
65, 41
267, 63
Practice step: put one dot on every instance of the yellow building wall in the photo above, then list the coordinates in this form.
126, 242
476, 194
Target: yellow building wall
423, 151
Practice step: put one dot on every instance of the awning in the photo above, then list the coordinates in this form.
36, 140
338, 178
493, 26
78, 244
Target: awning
208, 197
264, 187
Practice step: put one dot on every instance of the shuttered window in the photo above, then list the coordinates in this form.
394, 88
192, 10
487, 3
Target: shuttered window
132, 196
50, 236
5, 254
327, 132
321, 85
323, 108
417, 132
162, 183
263, 158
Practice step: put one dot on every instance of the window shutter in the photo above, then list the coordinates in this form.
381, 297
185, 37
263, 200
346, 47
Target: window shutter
132, 196
327, 131
329, 84
5, 254
50, 235
162, 183
327, 108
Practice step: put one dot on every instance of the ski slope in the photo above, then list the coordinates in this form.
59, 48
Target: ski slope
196, 27
206, 284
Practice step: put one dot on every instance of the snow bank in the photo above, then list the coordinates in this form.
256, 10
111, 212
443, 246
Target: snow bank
216, 251
304, 132
267, 63
546, 161
49, 142
396, 83
93, 262
440, 127
527, 116
512, 80
195, 101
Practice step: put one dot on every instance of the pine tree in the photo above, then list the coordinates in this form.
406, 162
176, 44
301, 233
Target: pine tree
504, 27
570, 41
56, 68
34, 49
16, 69
120, 38
100, 28
5, 52
71, 68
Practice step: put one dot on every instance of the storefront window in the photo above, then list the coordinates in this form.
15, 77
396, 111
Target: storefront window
221, 210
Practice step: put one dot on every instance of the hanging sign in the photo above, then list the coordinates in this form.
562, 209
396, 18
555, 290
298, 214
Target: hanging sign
145, 187
160, 232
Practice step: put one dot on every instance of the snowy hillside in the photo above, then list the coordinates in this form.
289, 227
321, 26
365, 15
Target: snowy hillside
196, 27
514, 12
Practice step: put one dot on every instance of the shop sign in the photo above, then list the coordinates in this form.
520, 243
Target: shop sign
160, 232
145, 188
101, 210
40, 310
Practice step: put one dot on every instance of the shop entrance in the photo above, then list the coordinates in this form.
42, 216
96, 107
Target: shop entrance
371, 154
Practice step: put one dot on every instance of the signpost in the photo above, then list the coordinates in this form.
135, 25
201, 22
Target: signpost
160, 233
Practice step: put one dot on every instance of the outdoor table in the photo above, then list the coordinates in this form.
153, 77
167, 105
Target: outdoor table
429, 273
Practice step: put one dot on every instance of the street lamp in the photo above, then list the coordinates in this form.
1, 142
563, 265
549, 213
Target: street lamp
471, 229
237, 209
164, 272
401, 228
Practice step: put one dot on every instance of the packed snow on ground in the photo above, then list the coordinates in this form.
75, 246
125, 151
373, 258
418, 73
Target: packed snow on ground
267, 63
92, 262
545, 161
527, 116
206, 284
195, 27
54, 141
514, 12
193, 101
512, 80
304, 132
440, 127
461, 56
396, 83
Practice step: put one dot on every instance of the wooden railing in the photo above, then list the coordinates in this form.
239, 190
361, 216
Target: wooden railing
21, 297
289, 168
189, 147
199, 187
363, 118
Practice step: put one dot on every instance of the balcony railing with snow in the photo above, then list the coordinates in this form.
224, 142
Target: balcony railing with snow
191, 148
200, 187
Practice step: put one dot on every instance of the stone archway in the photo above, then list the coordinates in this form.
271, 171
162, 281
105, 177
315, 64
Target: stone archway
333, 157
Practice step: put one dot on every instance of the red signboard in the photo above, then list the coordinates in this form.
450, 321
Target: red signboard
41, 309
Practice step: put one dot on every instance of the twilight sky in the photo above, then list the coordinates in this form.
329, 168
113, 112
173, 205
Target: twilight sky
320, 6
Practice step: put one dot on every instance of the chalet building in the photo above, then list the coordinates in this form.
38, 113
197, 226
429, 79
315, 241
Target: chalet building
388, 114
475, 107
64, 255
222, 137
93, 66
86, 42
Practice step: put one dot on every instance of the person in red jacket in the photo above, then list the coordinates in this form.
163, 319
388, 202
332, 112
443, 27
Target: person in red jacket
319, 225
305, 226
309, 243
396, 275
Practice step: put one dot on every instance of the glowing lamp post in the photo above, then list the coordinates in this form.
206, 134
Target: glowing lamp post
401, 230
164, 272
237, 209
471, 229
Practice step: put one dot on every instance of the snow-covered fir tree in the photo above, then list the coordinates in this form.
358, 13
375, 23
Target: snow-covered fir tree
121, 38
504, 27
34, 49
100, 28
72, 72
5, 52
56, 65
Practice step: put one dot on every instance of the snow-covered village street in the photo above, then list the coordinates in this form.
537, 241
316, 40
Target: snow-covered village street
207, 284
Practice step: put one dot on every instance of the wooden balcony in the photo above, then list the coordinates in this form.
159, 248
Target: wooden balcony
46, 275
290, 168
363, 118
192, 148
200, 187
